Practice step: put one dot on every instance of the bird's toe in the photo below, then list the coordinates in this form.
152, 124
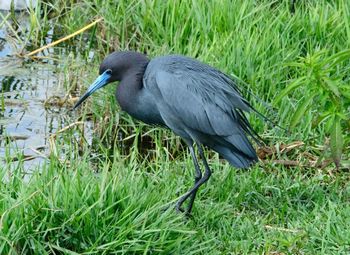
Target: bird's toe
186, 214
179, 209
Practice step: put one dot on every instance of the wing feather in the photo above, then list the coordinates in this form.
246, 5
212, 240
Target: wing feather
195, 109
200, 98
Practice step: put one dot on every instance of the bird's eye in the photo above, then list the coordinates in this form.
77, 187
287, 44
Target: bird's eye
108, 71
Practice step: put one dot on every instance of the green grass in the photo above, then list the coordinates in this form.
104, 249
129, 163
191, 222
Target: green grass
110, 197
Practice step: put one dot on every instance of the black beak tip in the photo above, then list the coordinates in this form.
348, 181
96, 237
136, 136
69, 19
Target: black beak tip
81, 99
75, 107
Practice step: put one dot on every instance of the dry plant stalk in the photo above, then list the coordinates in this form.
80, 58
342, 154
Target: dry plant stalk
282, 229
64, 38
52, 137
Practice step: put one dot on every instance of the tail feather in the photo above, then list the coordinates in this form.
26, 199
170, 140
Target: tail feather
235, 158
240, 144
236, 148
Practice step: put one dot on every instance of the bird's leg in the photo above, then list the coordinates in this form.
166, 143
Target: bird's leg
197, 177
292, 6
207, 169
206, 177
194, 189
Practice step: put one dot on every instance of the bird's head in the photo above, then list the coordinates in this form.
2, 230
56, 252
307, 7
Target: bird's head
114, 68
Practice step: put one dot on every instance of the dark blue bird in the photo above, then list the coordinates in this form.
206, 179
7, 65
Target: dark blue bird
196, 101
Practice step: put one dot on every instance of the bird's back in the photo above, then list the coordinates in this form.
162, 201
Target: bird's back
205, 79
201, 103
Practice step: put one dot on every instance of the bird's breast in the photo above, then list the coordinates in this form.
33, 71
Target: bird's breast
141, 105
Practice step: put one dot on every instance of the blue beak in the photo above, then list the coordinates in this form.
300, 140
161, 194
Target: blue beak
100, 82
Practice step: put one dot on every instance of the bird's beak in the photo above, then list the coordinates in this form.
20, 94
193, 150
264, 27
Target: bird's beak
100, 82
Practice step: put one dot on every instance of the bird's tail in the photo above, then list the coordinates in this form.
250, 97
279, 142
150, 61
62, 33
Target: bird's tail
244, 123
235, 158
237, 150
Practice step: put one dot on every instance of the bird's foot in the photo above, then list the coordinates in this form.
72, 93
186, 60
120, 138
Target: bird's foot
178, 209
186, 213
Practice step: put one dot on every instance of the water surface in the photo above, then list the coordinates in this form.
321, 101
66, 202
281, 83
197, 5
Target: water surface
25, 122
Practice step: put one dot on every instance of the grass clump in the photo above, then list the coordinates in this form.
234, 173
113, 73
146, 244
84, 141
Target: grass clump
72, 209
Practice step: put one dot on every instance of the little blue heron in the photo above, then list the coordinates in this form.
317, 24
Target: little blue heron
196, 101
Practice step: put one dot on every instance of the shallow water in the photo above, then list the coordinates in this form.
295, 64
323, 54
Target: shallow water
25, 123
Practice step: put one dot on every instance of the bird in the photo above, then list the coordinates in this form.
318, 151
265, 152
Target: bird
199, 103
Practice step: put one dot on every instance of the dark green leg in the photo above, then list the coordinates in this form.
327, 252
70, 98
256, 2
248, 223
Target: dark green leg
197, 177
192, 192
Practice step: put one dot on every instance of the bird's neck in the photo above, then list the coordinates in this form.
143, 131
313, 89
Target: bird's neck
129, 89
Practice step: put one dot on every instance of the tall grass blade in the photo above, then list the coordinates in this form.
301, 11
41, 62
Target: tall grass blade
292, 86
336, 140
300, 111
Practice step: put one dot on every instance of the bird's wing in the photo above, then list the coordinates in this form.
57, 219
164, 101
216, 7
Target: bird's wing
200, 101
